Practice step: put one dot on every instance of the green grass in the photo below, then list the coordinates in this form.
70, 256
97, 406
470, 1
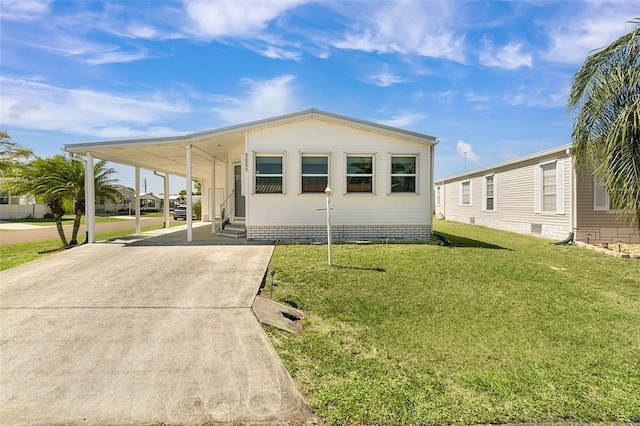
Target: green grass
12, 255
498, 328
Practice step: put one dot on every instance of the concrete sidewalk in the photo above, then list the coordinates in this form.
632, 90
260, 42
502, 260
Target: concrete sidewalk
125, 333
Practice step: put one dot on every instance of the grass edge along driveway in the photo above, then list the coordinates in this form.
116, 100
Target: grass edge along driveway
499, 328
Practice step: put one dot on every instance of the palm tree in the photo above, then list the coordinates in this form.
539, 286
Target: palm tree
57, 179
606, 133
11, 154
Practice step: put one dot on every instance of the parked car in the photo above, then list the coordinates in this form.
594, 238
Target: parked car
180, 213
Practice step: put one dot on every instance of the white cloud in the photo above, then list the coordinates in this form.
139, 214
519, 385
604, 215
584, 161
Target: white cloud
508, 57
592, 26
24, 10
217, 19
386, 77
419, 28
466, 151
114, 56
275, 52
264, 98
546, 97
403, 120
474, 97
32, 105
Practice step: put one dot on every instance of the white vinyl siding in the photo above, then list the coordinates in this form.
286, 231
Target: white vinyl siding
318, 137
465, 193
517, 188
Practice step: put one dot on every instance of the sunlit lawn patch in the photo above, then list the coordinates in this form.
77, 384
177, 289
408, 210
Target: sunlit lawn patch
498, 328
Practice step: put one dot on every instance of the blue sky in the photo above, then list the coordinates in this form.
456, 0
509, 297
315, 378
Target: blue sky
489, 79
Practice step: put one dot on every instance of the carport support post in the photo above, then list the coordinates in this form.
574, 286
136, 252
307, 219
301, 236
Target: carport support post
189, 196
212, 197
165, 202
90, 199
137, 206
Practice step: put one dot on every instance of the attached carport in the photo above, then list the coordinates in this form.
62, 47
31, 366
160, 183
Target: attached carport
204, 156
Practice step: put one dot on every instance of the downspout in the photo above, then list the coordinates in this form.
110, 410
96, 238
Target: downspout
432, 188
165, 202
212, 196
573, 221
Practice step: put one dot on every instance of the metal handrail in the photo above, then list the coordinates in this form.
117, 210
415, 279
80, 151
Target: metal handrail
223, 210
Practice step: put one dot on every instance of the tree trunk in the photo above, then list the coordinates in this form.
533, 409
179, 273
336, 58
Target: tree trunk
56, 209
79, 210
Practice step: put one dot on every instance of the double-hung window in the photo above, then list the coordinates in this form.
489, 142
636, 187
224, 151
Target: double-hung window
360, 174
438, 195
315, 173
465, 193
403, 173
269, 174
489, 193
549, 188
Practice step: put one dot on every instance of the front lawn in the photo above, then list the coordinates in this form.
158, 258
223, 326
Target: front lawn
498, 328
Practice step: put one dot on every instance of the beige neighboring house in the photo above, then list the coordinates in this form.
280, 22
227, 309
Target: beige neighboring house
124, 205
150, 203
17, 206
538, 194
268, 177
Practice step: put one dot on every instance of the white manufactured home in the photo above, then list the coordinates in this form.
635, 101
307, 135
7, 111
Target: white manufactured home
539, 194
270, 176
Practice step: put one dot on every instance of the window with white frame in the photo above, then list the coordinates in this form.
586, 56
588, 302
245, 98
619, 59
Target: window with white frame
359, 174
549, 188
403, 173
489, 193
465, 193
438, 195
268, 174
315, 173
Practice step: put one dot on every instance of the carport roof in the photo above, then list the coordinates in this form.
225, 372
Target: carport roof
167, 154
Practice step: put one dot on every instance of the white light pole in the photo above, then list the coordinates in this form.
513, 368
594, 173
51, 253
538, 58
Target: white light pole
327, 191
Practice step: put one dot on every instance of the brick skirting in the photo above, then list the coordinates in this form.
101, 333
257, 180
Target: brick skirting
340, 232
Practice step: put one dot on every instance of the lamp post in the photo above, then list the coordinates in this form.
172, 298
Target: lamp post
327, 191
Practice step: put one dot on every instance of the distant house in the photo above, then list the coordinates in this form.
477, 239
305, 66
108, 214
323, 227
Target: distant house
269, 176
123, 205
19, 206
538, 194
150, 203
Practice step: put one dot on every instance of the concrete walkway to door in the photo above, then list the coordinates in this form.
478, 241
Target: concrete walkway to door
149, 330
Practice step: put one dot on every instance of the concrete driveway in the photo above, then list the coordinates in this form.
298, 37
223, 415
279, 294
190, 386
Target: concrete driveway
131, 333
